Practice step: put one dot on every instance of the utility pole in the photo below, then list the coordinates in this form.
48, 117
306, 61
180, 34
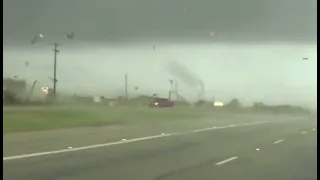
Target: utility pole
40, 36
171, 88
176, 89
126, 86
56, 51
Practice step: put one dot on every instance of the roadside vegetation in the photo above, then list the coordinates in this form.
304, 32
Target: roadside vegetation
35, 118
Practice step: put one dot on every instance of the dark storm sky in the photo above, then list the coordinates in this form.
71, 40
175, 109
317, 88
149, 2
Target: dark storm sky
188, 20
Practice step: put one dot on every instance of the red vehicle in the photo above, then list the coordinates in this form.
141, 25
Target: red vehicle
161, 102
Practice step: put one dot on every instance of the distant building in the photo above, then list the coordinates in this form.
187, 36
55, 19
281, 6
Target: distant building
14, 90
218, 103
15, 86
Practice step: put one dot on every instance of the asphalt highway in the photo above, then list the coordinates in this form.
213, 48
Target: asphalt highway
277, 150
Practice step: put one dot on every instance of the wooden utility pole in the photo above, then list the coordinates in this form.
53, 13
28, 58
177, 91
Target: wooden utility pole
56, 51
126, 85
176, 89
70, 36
171, 88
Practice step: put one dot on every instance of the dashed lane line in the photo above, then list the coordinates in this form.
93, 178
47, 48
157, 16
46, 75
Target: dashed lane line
124, 141
226, 160
279, 141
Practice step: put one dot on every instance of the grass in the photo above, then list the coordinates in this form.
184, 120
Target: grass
23, 119
48, 118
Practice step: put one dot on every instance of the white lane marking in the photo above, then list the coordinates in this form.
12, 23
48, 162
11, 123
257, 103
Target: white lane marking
207, 129
82, 148
262, 122
304, 132
226, 160
257, 149
229, 126
117, 142
279, 141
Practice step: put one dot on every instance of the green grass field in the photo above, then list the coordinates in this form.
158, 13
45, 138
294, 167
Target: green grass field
23, 119
48, 118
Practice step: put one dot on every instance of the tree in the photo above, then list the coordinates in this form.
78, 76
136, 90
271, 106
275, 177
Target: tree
234, 104
258, 105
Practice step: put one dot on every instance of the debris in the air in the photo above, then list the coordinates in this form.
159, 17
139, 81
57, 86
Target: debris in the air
305, 58
36, 38
26, 63
70, 35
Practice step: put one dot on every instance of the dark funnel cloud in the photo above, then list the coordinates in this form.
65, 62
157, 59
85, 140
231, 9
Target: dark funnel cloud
175, 20
187, 76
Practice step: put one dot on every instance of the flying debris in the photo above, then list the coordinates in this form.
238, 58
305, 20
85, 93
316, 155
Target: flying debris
70, 35
26, 63
36, 38
305, 58
52, 79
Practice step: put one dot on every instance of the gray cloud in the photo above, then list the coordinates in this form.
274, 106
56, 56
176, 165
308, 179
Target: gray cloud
228, 67
189, 20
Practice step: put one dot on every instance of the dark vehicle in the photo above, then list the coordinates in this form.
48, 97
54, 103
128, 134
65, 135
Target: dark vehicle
161, 102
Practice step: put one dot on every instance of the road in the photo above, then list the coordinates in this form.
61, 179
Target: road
277, 150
